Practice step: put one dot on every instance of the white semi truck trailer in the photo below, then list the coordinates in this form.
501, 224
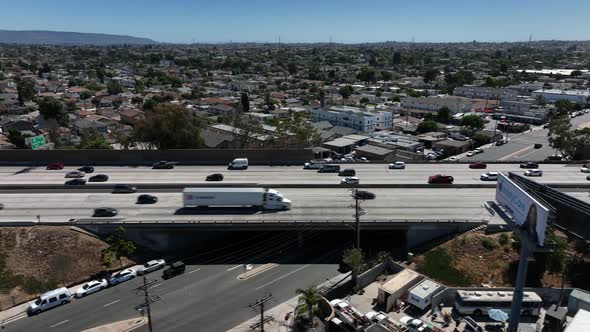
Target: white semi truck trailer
263, 198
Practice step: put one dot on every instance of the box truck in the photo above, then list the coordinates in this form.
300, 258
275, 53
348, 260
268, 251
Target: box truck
263, 198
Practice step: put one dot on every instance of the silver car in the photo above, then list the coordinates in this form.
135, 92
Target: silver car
151, 266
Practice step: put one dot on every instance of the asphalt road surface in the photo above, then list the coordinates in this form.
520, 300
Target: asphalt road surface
276, 175
204, 298
308, 204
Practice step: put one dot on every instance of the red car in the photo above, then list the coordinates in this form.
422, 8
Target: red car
441, 178
478, 165
55, 166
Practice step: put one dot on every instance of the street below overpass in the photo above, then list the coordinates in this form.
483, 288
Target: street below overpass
369, 174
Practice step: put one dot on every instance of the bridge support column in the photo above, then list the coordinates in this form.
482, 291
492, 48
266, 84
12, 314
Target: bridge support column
300, 241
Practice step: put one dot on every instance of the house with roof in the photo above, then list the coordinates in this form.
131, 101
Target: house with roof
131, 116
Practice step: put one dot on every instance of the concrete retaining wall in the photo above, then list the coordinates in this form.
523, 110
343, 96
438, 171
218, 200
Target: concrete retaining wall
147, 157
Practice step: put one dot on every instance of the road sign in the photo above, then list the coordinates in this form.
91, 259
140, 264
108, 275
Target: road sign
37, 142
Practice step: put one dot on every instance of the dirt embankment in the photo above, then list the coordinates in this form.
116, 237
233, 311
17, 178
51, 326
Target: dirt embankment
33, 259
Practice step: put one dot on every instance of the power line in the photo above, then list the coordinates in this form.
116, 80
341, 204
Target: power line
260, 303
147, 301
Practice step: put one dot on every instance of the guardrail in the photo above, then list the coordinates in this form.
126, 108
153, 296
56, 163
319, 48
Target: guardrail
293, 222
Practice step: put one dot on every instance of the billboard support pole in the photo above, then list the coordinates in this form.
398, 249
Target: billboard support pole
519, 286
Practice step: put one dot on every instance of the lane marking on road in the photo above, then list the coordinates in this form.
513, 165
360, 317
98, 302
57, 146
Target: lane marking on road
526, 154
156, 285
195, 270
233, 268
65, 321
516, 153
282, 277
110, 303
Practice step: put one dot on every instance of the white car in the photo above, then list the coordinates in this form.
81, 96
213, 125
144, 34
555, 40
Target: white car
350, 180
489, 176
397, 165
74, 174
478, 150
122, 276
453, 158
151, 266
415, 325
470, 153
92, 287
534, 172
585, 169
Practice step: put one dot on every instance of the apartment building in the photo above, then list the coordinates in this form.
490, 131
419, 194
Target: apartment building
351, 117
433, 104
552, 95
482, 92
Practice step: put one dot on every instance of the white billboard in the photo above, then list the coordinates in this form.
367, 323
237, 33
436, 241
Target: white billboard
525, 211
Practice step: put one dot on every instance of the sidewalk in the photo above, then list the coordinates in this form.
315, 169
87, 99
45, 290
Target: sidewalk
282, 314
120, 326
20, 311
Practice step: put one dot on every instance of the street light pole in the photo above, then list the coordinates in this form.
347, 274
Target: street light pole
357, 219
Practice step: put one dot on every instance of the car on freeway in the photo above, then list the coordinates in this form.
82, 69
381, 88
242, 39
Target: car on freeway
453, 158
588, 177
529, 165
151, 266
74, 174
1, 206
122, 276
363, 194
478, 150
587, 165
214, 177
174, 269
163, 164
470, 153
347, 172
91, 287
533, 172
146, 199
329, 168
105, 212
99, 178
554, 158
124, 189
441, 178
86, 169
585, 169
397, 165
75, 182
478, 165
415, 325
55, 166
489, 176
350, 180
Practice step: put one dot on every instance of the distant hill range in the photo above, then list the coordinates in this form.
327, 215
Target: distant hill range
68, 38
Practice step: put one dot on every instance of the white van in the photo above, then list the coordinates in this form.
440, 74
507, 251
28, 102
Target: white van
49, 300
238, 163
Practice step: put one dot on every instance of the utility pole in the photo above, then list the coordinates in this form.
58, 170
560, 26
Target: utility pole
358, 212
263, 320
147, 300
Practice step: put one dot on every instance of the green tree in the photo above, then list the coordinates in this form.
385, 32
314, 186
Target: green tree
114, 88
25, 89
367, 75
169, 126
430, 75
473, 121
15, 137
480, 139
309, 299
85, 95
118, 247
576, 73
355, 259
149, 104
560, 135
345, 91
298, 128
292, 68
52, 108
245, 102
364, 100
444, 115
397, 58
386, 76
426, 126
93, 140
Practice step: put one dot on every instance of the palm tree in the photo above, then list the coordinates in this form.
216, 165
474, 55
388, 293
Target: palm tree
354, 258
308, 302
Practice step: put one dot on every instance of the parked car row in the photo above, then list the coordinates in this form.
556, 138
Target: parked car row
101, 281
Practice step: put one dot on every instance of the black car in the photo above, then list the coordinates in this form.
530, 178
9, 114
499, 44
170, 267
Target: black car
501, 142
75, 182
86, 169
174, 269
214, 177
98, 178
163, 165
538, 146
363, 194
588, 177
529, 165
102, 274
105, 212
329, 169
124, 189
146, 199
347, 172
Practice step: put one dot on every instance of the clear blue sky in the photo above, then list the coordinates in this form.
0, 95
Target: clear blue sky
307, 20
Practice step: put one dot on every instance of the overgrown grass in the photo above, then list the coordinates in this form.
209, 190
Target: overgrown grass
437, 264
9, 280
489, 243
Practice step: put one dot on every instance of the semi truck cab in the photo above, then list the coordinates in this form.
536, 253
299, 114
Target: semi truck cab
276, 201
